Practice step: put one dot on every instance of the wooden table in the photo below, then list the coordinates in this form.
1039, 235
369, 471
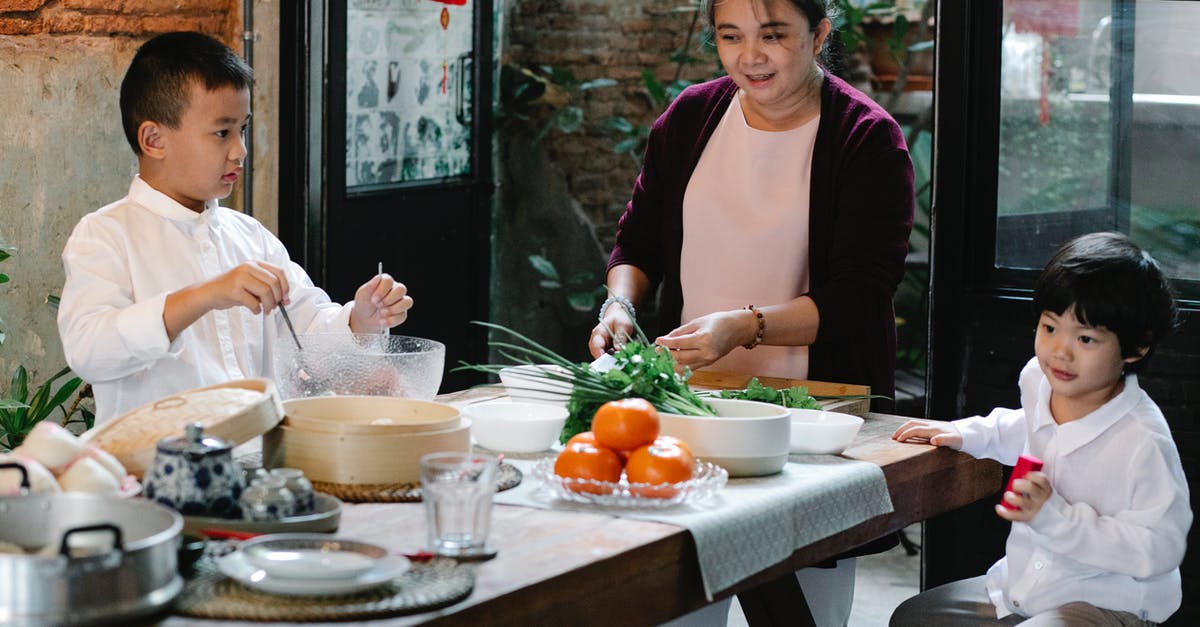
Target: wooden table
594, 569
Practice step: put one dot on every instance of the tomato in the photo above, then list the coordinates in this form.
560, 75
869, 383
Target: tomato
625, 424
588, 461
659, 464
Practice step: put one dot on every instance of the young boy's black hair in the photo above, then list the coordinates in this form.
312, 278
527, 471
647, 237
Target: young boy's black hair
155, 86
1112, 283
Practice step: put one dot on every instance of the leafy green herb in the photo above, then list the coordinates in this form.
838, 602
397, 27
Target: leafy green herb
642, 370
797, 396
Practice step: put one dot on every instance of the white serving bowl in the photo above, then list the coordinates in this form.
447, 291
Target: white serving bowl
822, 432
746, 438
527, 383
515, 426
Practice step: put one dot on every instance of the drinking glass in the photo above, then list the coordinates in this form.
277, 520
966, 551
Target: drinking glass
457, 489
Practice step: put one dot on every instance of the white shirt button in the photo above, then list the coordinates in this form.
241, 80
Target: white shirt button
1038, 565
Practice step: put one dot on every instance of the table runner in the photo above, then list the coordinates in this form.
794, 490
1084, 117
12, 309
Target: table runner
753, 522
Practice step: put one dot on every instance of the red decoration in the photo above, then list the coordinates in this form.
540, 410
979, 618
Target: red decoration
457, 3
445, 18
1046, 18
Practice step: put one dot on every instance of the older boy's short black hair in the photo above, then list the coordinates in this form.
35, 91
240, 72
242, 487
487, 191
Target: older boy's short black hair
1112, 283
156, 84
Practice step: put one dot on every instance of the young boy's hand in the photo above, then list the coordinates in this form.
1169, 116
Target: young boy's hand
379, 304
920, 432
255, 285
1028, 496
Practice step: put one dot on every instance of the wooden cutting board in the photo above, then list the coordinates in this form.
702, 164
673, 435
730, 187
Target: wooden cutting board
709, 380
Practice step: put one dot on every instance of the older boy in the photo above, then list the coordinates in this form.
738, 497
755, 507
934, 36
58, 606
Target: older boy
164, 287
1098, 535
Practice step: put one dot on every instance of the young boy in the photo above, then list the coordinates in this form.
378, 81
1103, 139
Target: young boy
1097, 535
164, 287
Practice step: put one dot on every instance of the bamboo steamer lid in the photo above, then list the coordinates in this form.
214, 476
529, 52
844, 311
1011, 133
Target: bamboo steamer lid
237, 411
332, 439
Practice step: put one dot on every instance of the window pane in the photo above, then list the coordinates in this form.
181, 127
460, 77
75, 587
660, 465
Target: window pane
1165, 211
407, 90
1063, 110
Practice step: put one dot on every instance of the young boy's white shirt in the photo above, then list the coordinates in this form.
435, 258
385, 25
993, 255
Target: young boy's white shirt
1114, 531
122, 260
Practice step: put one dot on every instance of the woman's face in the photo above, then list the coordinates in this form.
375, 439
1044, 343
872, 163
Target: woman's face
768, 48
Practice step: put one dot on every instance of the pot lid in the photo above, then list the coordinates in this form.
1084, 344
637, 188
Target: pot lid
194, 443
236, 411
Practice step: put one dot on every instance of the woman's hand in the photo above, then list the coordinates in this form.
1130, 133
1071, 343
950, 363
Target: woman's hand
709, 338
920, 432
379, 304
616, 322
1028, 496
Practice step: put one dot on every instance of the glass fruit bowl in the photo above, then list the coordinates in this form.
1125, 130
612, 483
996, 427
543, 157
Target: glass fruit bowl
707, 479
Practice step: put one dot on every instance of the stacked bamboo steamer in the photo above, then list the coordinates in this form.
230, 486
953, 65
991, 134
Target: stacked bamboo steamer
363, 440
237, 411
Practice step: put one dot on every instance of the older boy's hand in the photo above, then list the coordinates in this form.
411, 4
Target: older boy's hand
379, 304
255, 285
937, 434
1028, 496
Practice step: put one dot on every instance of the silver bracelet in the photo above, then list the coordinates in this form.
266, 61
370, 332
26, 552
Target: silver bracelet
621, 300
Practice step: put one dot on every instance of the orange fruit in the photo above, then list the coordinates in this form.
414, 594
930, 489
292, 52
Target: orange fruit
670, 440
625, 424
588, 461
659, 465
587, 437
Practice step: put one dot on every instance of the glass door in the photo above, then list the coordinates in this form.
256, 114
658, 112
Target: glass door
389, 107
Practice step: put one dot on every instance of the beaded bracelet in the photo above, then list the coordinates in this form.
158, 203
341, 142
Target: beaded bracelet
762, 328
621, 300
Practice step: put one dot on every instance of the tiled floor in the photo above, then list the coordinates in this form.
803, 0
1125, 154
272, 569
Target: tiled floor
882, 582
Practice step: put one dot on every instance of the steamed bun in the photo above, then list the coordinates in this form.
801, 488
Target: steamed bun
40, 479
50, 445
106, 459
89, 475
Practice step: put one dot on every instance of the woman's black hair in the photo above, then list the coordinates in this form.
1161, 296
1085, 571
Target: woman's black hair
1111, 283
155, 86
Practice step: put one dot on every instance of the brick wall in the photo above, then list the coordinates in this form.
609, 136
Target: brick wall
117, 18
602, 39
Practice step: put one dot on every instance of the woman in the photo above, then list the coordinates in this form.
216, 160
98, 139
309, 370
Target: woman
774, 206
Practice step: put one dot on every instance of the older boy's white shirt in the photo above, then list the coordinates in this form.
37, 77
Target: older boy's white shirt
1114, 531
121, 262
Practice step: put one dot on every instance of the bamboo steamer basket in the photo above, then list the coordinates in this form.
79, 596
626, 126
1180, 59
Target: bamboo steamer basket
332, 439
237, 411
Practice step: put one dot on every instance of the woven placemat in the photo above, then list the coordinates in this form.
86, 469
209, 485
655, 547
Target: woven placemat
427, 585
507, 477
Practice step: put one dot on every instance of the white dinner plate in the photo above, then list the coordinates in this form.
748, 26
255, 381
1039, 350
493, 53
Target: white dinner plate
237, 567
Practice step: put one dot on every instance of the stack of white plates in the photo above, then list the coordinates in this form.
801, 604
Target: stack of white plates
303, 564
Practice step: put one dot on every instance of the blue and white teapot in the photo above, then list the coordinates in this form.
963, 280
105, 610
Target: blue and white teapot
196, 475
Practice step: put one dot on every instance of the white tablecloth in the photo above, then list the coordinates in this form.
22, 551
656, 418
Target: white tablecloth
753, 522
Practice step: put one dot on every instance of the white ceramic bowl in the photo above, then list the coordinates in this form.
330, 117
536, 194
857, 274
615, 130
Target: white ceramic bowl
823, 432
516, 427
527, 383
747, 438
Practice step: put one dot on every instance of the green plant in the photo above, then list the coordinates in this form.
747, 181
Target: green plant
545, 95
583, 289
20, 411
631, 137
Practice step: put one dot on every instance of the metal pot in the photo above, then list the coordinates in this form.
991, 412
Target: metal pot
101, 559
